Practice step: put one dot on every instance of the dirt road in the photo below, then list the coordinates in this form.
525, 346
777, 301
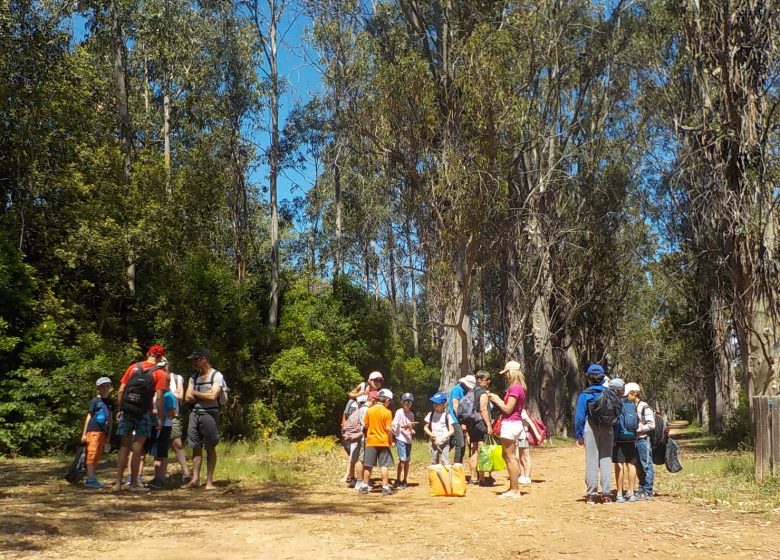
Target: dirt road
45, 518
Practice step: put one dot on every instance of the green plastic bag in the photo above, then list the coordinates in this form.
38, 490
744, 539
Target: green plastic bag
491, 457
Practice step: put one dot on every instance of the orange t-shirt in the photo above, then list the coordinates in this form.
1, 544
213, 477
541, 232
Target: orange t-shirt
378, 421
159, 376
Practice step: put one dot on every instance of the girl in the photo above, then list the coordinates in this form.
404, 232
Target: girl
511, 407
403, 431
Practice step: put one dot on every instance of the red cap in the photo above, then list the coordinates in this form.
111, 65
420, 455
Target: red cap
373, 394
156, 350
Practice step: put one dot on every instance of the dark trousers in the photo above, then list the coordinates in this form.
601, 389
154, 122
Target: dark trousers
458, 443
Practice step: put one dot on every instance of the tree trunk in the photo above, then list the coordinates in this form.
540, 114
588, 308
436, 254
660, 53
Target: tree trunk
274, 161
722, 388
412, 289
457, 358
167, 140
337, 203
391, 267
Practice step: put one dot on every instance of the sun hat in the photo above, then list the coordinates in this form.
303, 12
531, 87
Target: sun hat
385, 394
200, 353
631, 387
510, 365
469, 381
156, 350
102, 381
439, 398
375, 375
407, 397
373, 394
617, 384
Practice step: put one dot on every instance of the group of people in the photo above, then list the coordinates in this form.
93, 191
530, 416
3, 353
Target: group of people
615, 425
147, 412
459, 420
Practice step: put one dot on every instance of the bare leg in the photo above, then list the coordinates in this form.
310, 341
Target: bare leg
619, 478
197, 460
385, 477
512, 465
211, 464
178, 449
366, 475
631, 478
136, 461
121, 461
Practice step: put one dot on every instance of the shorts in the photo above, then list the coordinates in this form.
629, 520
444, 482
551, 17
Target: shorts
176, 430
356, 450
203, 430
160, 448
404, 450
624, 452
522, 441
152, 439
95, 443
378, 456
141, 425
512, 429
477, 433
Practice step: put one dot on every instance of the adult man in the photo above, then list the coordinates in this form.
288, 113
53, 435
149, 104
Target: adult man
203, 392
465, 384
140, 382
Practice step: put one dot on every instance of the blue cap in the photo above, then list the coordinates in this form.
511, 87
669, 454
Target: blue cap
407, 397
595, 370
439, 398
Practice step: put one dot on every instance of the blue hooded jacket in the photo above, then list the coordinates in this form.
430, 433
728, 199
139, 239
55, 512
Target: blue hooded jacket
581, 413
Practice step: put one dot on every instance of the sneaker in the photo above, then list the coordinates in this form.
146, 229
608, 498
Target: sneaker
640, 496
631, 499
185, 478
93, 483
387, 491
620, 499
138, 488
352, 483
606, 500
364, 489
400, 485
156, 484
510, 495
524, 480
591, 500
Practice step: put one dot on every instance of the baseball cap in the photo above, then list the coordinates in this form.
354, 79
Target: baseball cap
375, 375
385, 394
439, 397
595, 370
469, 381
617, 384
373, 394
407, 397
156, 350
200, 353
102, 381
632, 387
509, 366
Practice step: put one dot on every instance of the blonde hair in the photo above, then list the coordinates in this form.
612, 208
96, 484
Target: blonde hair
516, 376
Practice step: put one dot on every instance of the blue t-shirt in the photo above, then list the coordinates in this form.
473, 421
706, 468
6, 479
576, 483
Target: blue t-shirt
169, 403
456, 392
94, 409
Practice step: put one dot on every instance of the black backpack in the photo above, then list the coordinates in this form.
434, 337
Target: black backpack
467, 413
606, 408
77, 468
137, 398
660, 434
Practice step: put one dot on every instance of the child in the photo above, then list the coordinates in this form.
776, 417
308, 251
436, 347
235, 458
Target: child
438, 426
624, 452
97, 427
165, 414
644, 450
403, 430
379, 439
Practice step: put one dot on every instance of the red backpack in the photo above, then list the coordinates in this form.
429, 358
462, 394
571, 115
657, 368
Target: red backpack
541, 428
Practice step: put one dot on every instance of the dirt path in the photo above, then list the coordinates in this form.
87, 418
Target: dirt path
49, 519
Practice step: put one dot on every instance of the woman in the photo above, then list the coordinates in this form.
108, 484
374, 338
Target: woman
511, 407
481, 429
374, 383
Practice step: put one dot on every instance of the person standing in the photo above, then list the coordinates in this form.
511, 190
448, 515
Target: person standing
511, 407
177, 388
203, 392
97, 428
140, 383
379, 439
465, 384
403, 432
646, 470
439, 427
482, 428
595, 437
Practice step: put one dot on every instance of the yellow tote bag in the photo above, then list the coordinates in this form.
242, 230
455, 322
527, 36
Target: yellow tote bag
497, 453
447, 480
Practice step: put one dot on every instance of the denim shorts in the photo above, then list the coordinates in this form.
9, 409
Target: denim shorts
404, 450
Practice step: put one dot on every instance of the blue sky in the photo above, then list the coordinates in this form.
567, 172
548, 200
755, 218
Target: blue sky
302, 82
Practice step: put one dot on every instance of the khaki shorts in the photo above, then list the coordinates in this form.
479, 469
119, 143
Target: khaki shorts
176, 429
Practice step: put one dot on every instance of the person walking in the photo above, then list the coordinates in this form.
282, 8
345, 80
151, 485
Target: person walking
511, 407
203, 392
596, 437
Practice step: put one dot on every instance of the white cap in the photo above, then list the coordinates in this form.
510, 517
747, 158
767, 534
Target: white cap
102, 381
385, 394
631, 387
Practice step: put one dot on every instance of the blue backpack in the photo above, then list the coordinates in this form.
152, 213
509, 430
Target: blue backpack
102, 416
628, 422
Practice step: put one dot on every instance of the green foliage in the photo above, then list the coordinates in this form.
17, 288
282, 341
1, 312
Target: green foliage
737, 425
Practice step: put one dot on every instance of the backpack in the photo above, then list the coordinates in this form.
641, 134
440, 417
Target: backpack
223, 395
606, 408
103, 416
628, 423
540, 427
352, 430
466, 412
673, 464
661, 432
77, 468
137, 398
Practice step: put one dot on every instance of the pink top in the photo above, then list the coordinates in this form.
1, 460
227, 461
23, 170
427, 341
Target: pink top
402, 425
515, 390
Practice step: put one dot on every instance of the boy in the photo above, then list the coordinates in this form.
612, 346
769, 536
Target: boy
97, 427
643, 445
379, 439
439, 427
165, 414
